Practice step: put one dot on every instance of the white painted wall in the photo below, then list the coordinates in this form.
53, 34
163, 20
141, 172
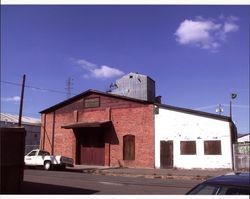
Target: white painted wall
179, 126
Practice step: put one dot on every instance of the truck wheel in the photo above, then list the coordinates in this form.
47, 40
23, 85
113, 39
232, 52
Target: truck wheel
47, 165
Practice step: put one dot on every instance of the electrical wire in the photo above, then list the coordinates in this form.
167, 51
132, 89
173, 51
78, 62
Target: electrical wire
33, 87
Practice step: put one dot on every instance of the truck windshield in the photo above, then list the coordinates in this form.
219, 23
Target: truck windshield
43, 153
32, 153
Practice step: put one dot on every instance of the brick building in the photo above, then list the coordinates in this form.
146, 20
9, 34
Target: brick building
99, 128
128, 126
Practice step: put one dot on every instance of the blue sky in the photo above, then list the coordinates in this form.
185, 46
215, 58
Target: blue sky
197, 55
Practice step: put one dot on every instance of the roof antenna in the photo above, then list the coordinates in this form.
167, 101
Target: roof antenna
219, 109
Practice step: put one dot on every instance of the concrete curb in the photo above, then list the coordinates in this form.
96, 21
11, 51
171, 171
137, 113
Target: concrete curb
148, 176
153, 176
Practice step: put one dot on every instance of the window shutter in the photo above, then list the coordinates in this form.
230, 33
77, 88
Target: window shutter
212, 147
188, 147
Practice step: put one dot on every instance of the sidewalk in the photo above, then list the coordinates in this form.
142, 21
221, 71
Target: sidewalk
194, 174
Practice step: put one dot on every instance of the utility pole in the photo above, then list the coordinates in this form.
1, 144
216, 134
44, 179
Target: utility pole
21, 102
69, 87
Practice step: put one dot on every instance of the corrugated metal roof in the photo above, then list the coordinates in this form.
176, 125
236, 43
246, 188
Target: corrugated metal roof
6, 117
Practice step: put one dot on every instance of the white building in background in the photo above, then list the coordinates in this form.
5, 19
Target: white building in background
190, 139
244, 138
31, 125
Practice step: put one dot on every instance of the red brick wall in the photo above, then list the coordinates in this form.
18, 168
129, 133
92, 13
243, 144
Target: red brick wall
138, 122
101, 114
46, 130
64, 139
127, 117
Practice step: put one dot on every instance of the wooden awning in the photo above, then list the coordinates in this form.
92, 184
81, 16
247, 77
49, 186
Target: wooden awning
86, 124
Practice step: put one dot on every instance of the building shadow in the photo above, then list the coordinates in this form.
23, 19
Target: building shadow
40, 188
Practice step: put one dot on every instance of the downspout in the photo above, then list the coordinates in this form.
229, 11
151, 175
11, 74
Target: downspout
110, 119
77, 150
154, 131
53, 133
44, 130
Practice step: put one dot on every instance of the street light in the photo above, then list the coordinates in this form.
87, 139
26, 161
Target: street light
233, 96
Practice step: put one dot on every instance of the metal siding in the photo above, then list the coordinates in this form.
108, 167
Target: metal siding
136, 86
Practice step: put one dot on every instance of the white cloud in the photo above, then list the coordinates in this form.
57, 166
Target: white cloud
197, 33
230, 27
11, 99
85, 64
206, 34
232, 18
102, 72
106, 72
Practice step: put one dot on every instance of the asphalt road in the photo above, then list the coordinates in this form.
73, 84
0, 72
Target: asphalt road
62, 182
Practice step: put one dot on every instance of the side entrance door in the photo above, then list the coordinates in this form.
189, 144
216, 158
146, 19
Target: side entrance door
166, 154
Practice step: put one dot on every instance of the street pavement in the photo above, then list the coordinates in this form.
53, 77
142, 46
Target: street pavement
68, 182
83, 179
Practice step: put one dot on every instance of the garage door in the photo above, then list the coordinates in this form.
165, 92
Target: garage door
92, 147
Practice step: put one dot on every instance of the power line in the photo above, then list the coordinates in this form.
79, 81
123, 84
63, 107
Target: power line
33, 87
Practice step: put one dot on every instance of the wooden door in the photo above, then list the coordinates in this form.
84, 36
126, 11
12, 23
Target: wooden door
92, 148
166, 154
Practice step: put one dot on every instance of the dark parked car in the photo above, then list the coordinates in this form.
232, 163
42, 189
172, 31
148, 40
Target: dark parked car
229, 184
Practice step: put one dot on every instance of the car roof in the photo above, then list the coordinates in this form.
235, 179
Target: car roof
234, 179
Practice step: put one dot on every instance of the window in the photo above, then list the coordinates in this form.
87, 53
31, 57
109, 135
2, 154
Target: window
212, 147
188, 147
205, 189
43, 153
92, 102
32, 153
234, 190
129, 147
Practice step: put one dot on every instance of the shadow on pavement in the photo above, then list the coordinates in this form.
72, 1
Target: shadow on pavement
39, 188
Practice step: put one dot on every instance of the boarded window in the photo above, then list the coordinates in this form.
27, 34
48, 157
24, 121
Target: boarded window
129, 147
212, 147
92, 102
188, 147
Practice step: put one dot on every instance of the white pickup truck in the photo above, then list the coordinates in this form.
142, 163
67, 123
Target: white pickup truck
42, 158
